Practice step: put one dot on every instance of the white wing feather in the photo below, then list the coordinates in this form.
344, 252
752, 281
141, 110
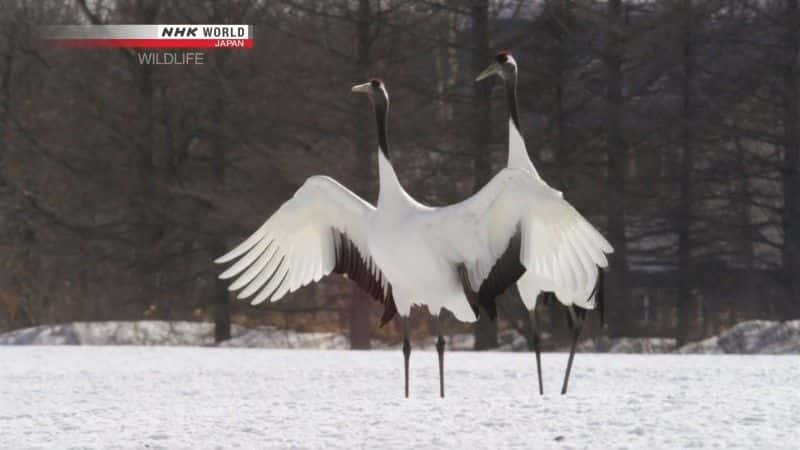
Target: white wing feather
296, 245
560, 250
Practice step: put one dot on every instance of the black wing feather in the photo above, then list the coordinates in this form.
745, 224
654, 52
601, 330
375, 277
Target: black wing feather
504, 274
350, 262
600, 298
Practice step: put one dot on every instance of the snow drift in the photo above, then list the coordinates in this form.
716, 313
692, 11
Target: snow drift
752, 337
159, 332
755, 336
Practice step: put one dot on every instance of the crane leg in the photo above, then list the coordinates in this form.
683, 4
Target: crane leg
406, 350
536, 348
576, 324
440, 351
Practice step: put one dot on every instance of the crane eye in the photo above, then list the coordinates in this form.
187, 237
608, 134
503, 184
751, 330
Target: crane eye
502, 57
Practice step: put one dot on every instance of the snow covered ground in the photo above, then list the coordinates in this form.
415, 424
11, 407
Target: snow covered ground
193, 397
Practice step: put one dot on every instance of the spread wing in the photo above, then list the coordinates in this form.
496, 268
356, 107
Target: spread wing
518, 229
320, 230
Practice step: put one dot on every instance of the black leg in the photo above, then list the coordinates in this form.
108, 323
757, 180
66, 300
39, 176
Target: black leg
406, 350
576, 324
440, 351
537, 349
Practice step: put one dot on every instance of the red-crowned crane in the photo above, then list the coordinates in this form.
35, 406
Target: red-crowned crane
589, 294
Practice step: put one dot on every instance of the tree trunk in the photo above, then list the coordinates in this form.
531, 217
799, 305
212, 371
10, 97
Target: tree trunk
559, 69
746, 226
144, 163
360, 330
485, 328
221, 304
359, 310
558, 62
791, 157
5, 106
684, 301
221, 301
146, 168
616, 288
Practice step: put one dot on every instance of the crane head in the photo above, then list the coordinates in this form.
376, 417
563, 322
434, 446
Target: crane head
375, 90
503, 66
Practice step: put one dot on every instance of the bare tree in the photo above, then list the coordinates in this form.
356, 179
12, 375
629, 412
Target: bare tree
790, 172
685, 176
617, 157
485, 328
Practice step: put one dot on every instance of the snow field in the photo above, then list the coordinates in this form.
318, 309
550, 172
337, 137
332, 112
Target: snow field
173, 397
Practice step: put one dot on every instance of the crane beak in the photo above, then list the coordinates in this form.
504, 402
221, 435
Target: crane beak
361, 88
493, 69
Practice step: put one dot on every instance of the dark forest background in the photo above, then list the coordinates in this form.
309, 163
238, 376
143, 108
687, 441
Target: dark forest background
672, 125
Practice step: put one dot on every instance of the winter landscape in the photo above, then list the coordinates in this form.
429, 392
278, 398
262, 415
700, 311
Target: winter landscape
228, 224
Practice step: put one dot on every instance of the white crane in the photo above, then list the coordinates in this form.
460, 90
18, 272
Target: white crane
589, 295
453, 257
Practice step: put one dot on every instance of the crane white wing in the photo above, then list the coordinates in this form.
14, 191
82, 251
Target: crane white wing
321, 229
517, 224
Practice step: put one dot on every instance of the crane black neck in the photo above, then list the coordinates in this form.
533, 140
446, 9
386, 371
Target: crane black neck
381, 112
511, 95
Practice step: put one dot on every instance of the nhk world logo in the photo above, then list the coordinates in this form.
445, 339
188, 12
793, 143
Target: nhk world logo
151, 37
234, 32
